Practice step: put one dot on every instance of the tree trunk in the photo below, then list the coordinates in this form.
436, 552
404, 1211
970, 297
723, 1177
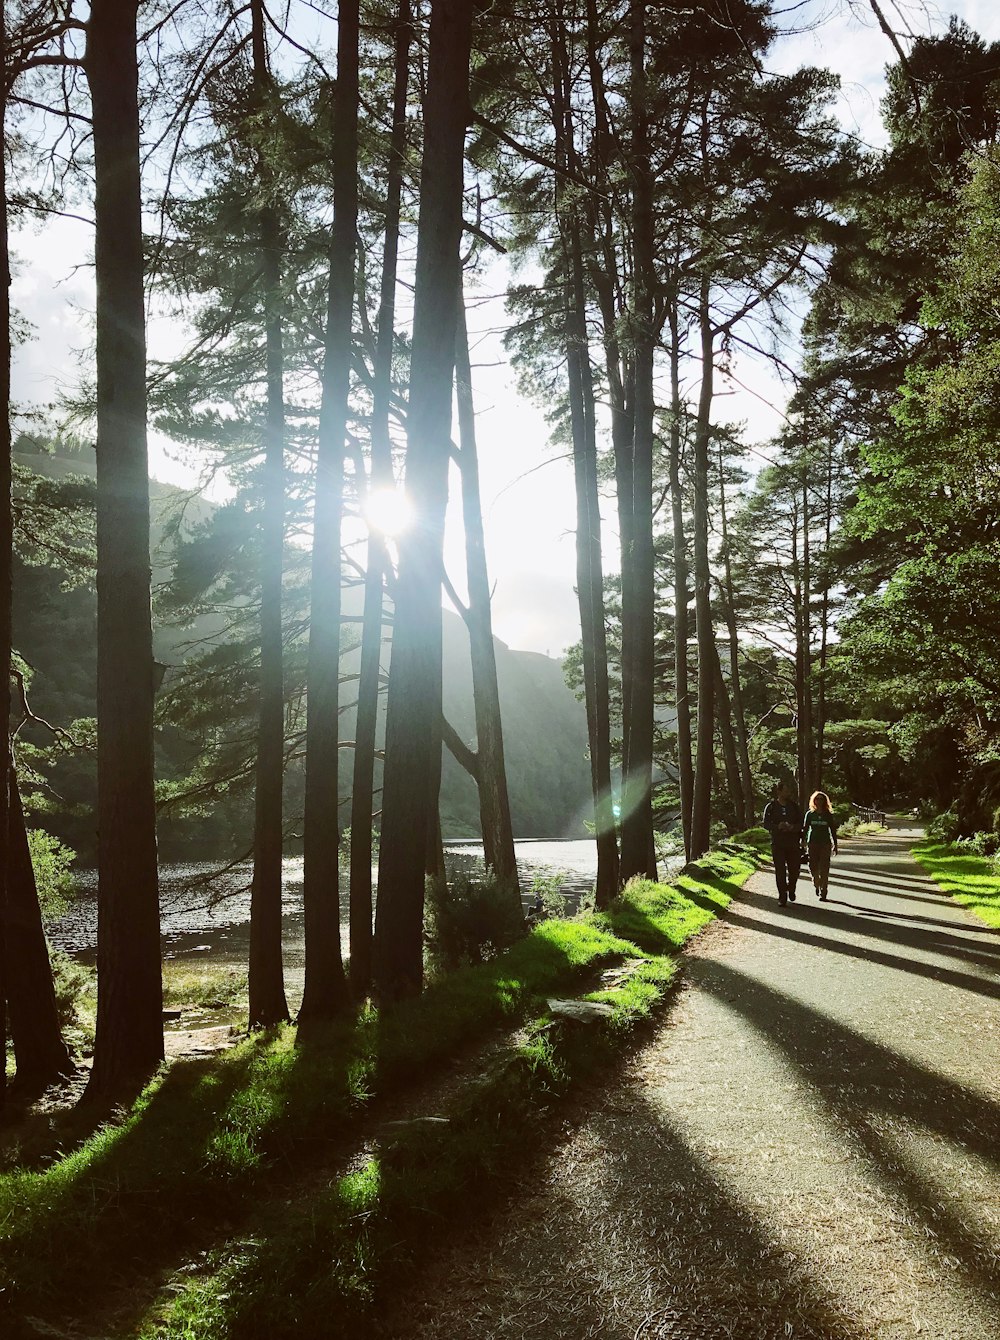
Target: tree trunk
682, 622
267, 989
362, 790
413, 719
638, 856
806, 708
129, 1039
701, 818
325, 993
494, 801
735, 684
589, 562
824, 644
6, 556
39, 1050
801, 774
724, 716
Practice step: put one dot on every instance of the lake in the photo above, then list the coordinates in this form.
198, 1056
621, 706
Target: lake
210, 922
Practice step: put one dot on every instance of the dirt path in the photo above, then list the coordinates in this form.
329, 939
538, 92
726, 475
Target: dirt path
808, 1148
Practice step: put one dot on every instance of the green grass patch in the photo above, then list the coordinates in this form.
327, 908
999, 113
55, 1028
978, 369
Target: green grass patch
212, 1141
971, 880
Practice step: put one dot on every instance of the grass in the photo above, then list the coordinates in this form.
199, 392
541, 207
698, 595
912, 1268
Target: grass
215, 1142
971, 880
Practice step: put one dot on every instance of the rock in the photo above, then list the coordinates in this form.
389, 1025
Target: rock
580, 1011
415, 1123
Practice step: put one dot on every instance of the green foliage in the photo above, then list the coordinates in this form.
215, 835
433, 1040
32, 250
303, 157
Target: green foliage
51, 861
546, 891
76, 997
468, 921
944, 827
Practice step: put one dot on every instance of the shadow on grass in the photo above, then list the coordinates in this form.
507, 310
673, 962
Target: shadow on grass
209, 1137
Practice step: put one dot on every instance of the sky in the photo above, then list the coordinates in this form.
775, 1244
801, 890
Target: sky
528, 498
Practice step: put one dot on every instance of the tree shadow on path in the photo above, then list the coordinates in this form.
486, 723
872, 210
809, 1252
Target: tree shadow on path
864, 1084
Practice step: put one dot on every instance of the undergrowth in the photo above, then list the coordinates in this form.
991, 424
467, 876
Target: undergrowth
208, 1139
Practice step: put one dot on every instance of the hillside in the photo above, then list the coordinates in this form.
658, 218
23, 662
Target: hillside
55, 631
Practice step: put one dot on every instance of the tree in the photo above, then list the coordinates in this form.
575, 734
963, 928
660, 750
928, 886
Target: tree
377, 564
413, 721
40, 1054
491, 772
129, 1038
325, 986
267, 991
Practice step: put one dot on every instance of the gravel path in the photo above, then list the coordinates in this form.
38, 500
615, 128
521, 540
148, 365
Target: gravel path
808, 1148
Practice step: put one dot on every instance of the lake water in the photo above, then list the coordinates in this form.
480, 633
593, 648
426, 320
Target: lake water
206, 915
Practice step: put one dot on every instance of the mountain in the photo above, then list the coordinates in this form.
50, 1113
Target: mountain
545, 732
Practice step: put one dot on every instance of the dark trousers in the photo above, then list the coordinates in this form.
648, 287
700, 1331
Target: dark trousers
786, 865
819, 863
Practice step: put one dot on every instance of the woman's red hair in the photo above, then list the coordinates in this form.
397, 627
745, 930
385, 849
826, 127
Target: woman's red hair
819, 800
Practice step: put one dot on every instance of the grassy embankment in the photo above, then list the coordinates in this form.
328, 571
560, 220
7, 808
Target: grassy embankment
973, 881
227, 1167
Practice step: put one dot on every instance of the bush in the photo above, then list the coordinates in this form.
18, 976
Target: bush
980, 844
546, 892
469, 921
74, 984
944, 827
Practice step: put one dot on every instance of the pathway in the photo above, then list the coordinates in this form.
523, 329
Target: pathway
807, 1149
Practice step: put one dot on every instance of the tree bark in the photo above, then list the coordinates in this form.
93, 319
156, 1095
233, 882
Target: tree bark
267, 989
701, 817
325, 993
638, 856
6, 554
494, 801
40, 1053
806, 706
724, 716
413, 718
735, 679
362, 790
824, 645
129, 1038
682, 621
589, 561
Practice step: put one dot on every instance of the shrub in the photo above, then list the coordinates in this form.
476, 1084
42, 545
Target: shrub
546, 891
980, 844
469, 921
944, 827
74, 984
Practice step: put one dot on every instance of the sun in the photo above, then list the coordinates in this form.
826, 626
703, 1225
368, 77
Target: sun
388, 510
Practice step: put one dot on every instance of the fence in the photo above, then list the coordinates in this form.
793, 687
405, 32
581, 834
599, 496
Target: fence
869, 815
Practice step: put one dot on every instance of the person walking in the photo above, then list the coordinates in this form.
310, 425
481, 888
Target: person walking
783, 820
819, 838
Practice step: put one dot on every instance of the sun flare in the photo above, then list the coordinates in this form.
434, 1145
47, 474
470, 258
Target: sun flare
389, 511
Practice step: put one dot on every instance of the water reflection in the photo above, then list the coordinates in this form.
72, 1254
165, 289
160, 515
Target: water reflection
210, 921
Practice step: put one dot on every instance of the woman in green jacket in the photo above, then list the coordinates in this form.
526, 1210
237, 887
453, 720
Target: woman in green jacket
819, 837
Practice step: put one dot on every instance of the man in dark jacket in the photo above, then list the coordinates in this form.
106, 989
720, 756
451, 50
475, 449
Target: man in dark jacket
783, 820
